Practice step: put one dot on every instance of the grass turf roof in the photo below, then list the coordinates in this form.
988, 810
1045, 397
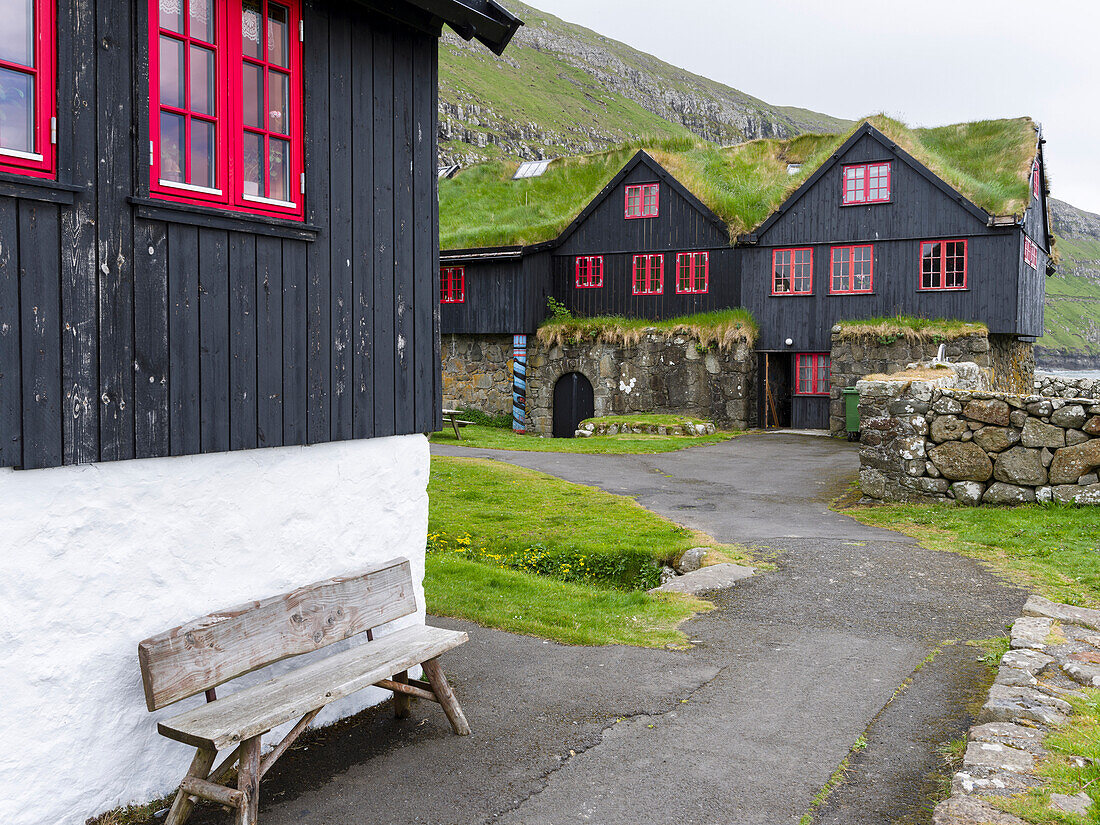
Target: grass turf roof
723, 329
988, 161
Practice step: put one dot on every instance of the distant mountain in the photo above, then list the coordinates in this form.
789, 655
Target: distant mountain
1072, 339
561, 89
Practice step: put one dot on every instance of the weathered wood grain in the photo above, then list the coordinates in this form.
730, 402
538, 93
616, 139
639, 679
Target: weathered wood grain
215, 793
248, 782
442, 689
183, 803
258, 709
221, 646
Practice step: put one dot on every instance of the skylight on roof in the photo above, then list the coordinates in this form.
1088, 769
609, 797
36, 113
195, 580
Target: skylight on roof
448, 172
794, 168
531, 169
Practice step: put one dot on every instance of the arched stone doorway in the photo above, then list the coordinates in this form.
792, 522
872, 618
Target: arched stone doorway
574, 401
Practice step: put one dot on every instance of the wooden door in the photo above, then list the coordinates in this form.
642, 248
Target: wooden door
573, 403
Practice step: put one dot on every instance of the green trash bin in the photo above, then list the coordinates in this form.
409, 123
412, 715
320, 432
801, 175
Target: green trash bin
851, 413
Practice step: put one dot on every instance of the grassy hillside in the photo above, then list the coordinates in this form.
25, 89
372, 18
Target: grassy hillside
1072, 319
561, 89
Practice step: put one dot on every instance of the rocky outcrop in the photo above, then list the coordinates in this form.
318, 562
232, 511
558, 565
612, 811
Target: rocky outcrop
1052, 656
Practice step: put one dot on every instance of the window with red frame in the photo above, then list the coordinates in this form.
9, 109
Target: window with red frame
1035, 179
225, 103
649, 274
589, 271
28, 90
643, 201
851, 269
811, 374
692, 272
943, 265
452, 285
867, 183
792, 271
1031, 253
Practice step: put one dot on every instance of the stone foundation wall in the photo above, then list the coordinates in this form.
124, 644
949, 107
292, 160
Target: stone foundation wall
922, 440
1057, 386
1013, 364
657, 375
852, 359
477, 373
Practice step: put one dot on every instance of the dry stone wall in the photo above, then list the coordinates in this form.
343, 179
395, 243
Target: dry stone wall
658, 374
1060, 386
477, 373
922, 440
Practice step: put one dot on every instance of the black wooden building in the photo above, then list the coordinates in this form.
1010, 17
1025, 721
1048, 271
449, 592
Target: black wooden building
874, 233
219, 231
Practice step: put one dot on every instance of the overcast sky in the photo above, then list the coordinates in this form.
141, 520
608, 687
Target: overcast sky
928, 63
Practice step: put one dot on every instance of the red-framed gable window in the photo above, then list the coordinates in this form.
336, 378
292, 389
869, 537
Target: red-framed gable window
851, 269
1035, 179
866, 183
692, 273
943, 265
792, 271
1031, 253
28, 88
589, 271
811, 371
643, 200
649, 274
225, 104
452, 285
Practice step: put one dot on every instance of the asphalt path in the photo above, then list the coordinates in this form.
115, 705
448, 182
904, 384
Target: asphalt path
857, 632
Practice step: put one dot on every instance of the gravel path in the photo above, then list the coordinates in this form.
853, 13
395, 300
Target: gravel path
746, 728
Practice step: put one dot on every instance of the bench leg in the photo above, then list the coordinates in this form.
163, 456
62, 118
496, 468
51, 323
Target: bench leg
402, 701
248, 782
184, 803
446, 697
454, 423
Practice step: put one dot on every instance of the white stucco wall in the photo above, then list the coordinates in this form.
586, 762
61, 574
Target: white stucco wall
97, 558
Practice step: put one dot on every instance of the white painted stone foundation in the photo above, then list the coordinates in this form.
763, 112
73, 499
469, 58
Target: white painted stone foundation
97, 558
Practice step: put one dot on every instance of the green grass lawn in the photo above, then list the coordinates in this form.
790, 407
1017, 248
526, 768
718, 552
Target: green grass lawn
496, 438
523, 551
645, 419
1052, 550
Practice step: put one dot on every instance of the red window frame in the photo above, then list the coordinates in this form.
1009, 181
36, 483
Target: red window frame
692, 273
643, 200
803, 258
1035, 179
863, 183
41, 161
847, 263
818, 370
589, 272
648, 274
1031, 253
949, 251
231, 131
452, 285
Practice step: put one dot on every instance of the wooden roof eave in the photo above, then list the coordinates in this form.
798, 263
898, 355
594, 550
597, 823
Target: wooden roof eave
867, 129
482, 20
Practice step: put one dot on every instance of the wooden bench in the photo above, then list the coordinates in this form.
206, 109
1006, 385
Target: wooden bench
212, 650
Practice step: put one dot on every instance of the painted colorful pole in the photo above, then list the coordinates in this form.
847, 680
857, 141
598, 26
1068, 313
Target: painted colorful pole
519, 384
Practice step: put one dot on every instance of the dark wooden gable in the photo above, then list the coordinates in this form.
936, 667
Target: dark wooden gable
683, 222
921, 204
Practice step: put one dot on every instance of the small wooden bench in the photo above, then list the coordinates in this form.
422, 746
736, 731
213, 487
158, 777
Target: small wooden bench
452, 418
212, 650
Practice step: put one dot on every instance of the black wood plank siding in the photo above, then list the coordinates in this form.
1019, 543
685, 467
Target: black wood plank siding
176, 332
918, 211
504, 296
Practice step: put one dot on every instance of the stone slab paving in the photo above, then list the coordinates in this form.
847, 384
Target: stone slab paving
744, 729
1027, 700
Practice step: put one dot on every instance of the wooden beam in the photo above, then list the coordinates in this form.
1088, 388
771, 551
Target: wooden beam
268, 761
183, 803
248, 782
402, 694
407, 690
442, 689
215, 793
218, 775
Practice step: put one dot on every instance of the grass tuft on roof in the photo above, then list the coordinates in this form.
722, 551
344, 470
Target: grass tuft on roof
910, 328
724, 329
987, 161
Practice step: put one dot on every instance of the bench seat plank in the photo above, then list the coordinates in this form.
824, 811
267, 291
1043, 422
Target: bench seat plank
256, 710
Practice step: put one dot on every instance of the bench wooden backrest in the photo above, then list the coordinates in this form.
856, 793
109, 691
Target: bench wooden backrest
211, 650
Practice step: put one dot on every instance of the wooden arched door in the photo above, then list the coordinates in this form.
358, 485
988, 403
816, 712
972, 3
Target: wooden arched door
573, 403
